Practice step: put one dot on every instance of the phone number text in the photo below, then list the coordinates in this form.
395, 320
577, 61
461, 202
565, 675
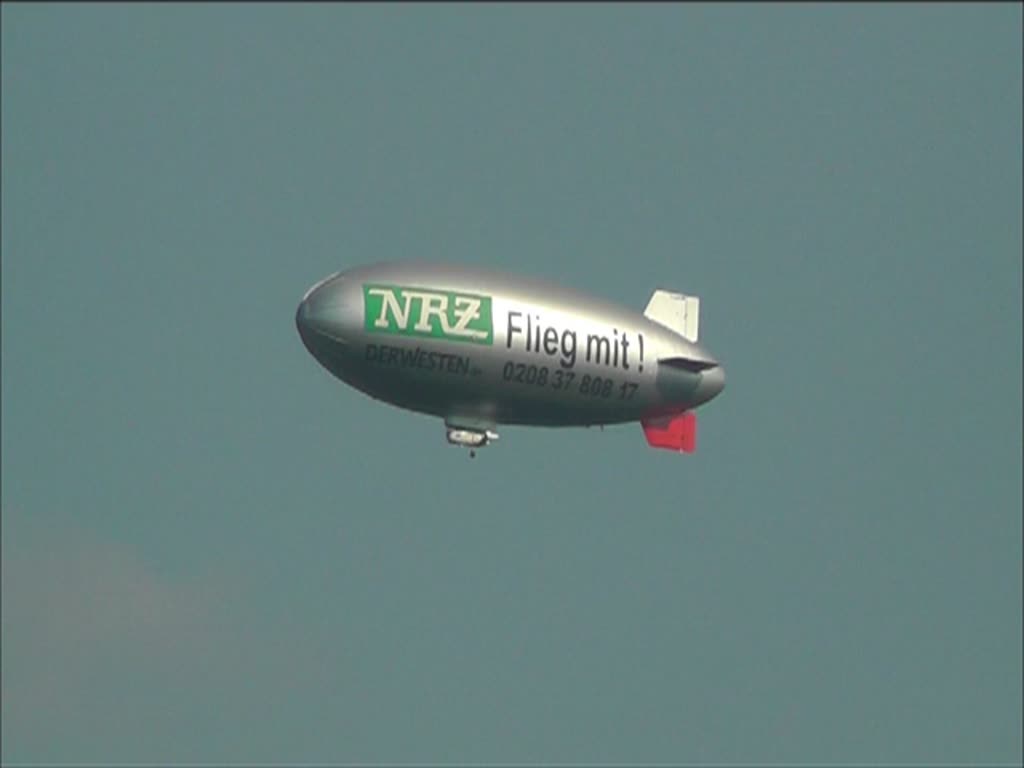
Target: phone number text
590, 386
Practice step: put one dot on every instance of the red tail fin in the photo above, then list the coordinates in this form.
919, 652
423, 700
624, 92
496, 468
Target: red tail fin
675, 433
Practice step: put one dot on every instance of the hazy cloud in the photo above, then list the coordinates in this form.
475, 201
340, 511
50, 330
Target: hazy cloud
98, 643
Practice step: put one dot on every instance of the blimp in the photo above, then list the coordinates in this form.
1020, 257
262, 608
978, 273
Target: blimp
481, 349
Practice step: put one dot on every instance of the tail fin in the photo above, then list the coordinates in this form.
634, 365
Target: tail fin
675, 433
676, 312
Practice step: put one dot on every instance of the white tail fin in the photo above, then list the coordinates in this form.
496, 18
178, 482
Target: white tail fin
676, 312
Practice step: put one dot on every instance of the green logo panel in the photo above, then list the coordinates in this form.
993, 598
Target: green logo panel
409, 311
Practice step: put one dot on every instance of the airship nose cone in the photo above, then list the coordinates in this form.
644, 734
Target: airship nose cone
304, 321
319, 314
311, 318
712, 382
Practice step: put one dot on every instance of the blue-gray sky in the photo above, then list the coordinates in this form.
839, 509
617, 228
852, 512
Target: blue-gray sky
214, 551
